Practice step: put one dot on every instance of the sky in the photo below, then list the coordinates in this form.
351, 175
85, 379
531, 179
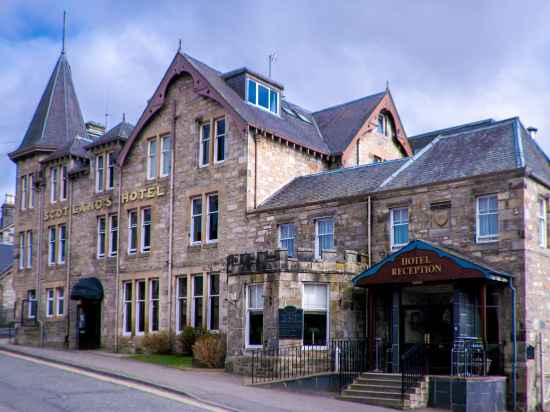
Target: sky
447, 62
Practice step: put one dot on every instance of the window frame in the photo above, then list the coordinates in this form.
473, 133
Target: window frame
194, 297
152, 160
146, 226
62, 244
163, 151
181, 297
60, 297
257, 96
316, 310
318, 249
542, 220
63, 183
291, 253
395, 246
101, 237
111, 165
100, 173
210, 298
192, 239
54, 177
23, 191
50, 302
32, 303
113, 245
29, 247
52, 239
202, 141
486, 238
125, 303
30, 203
249, 311
217, 137
210, 213
138, 300
151, 306
22, 248
132, 228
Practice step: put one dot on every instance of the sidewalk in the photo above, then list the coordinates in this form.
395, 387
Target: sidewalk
215, 387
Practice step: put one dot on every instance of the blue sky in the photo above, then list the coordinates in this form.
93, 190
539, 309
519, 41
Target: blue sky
447, 62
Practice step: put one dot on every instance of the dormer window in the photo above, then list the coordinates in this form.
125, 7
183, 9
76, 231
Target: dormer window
385, 125
262, 96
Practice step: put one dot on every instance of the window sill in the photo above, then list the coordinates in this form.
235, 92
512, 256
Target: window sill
253, 347
485, 241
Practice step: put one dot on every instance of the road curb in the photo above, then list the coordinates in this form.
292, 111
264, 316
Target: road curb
115, 375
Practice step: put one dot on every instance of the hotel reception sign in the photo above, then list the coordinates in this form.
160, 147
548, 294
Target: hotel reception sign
149, 192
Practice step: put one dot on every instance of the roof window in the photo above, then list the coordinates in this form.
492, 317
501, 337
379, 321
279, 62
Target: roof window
262, 96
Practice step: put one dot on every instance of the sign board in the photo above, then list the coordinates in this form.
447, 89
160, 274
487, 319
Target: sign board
291, 321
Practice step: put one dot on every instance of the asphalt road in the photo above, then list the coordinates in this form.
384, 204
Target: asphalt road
31, 386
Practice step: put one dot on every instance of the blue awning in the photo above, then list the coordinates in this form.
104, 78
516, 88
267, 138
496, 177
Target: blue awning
421, 261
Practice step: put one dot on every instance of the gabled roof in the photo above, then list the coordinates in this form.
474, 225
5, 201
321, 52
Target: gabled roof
58, 118
121, 132
488, 147
339, 124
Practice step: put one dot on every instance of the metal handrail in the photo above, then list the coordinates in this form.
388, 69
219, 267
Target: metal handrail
413, 368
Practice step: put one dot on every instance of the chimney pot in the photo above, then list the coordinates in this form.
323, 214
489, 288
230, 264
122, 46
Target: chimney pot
532, 131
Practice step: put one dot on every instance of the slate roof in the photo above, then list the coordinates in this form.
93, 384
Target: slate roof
334, 184
6, 257
76, 148
121, 131
470, 150
339, 124
58, 118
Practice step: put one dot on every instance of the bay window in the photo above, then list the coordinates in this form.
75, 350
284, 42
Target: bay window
399, 227
487, 218
315, 306
254, 315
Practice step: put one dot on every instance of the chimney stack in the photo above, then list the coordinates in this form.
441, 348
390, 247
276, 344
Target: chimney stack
95, 129
532, 132
8, 212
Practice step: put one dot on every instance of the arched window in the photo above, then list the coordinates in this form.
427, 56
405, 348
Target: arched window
385, 124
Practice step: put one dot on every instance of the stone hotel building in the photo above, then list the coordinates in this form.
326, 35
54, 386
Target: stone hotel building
227, 206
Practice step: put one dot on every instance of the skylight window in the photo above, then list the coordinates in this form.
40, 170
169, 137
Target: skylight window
262, 96
294, 113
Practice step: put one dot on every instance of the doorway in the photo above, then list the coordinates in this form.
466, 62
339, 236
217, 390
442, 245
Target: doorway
89, 324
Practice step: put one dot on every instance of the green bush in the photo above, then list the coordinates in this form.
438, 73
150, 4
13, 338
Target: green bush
187, 339
210, 349
159, 343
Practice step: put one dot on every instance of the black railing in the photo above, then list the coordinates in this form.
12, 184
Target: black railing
7, 322
469, 358
413, 368
341, 359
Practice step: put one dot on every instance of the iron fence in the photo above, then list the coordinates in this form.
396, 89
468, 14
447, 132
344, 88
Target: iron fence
469, 358
7, 322
414, 366
341, 359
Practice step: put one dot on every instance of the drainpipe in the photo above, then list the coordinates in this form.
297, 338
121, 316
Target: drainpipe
369, 229
514, 345
255, 138
171, 216
38, 263
68, 239
118, 253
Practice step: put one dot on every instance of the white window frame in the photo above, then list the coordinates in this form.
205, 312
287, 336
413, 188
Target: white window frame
31, 301
393, 245
193, 297
318, 251
101, 236
542, 220
208, 214
61, 243
291, 253
29, 249
125, 303
165, 155
60, 297
218, 136
100, 173
132, 227
203, 139
210, 296
486, 238
30, 179
181, 297
54, 176
250, 310
152, 159
113, 246
52, 252
150, 304
317, 310
143, 247
24, 188
63, 180
193, 215
138, 300
50, 302
111, 164
269, 90
22, 250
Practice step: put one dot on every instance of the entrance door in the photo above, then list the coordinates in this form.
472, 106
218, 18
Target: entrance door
89, 324
427, 319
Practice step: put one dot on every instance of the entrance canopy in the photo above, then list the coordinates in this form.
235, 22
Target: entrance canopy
420, 261
87, 288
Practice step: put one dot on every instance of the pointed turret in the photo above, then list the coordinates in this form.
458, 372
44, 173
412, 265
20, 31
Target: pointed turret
57, 119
